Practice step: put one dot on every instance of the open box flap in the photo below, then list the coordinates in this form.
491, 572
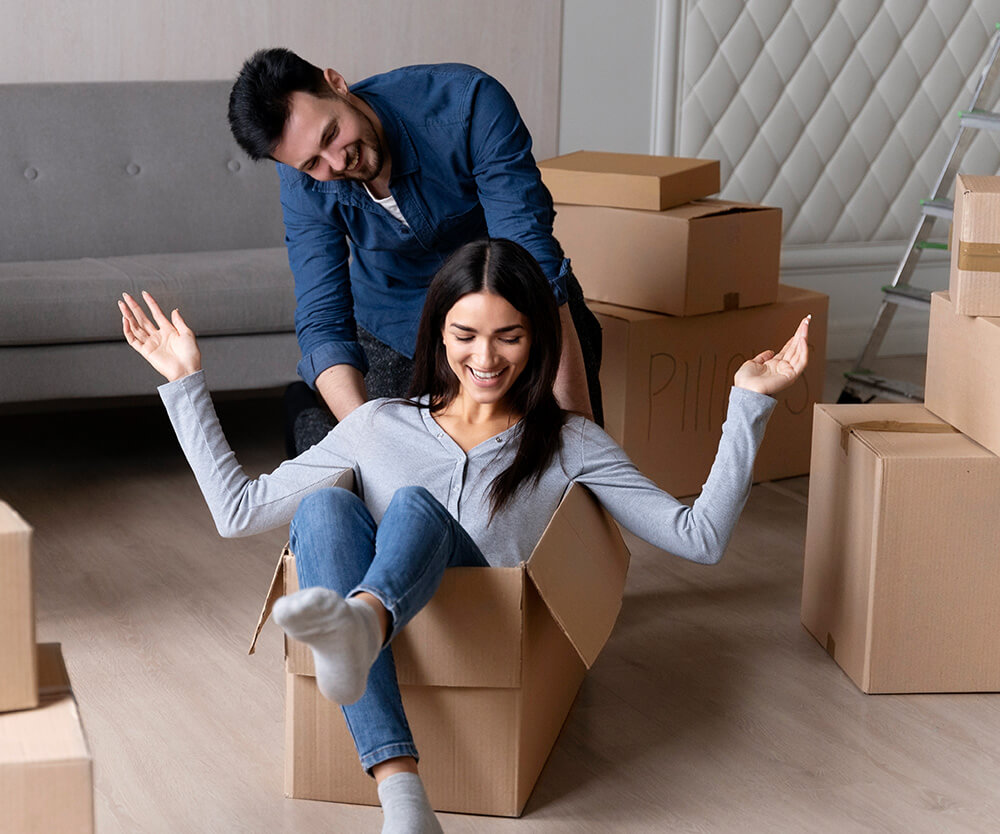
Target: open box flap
277, 587
579, 567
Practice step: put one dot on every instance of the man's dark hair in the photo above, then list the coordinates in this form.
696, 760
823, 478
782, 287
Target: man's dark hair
503, 268
258, 102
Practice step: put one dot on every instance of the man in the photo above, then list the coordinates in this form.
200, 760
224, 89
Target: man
380, 182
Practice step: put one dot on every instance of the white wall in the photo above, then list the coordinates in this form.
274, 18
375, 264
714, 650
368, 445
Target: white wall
113, 40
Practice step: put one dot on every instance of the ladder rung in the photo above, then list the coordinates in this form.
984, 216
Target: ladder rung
907, 296
861, 383
930, 244
980, 120
938, 208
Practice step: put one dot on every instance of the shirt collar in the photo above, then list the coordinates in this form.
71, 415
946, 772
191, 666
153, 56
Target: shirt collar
401, 148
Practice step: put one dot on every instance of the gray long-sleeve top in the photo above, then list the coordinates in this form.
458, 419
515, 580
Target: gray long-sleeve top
389, 445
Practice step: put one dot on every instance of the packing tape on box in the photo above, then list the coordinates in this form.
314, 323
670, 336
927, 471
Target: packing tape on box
895, 426
979, 257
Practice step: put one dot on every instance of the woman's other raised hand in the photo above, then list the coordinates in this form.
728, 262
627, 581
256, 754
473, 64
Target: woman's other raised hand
169, 345
770, 372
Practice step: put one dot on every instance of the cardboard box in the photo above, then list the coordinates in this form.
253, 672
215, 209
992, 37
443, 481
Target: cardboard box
18, 673
702, 257
488, 671
975, 246
666, 380
963, 371
901, 575
595, 178
46, 780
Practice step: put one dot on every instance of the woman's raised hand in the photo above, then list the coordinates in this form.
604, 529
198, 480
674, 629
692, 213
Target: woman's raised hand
770, 372
169, 345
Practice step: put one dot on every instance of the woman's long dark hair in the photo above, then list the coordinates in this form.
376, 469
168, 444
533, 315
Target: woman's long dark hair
503, 268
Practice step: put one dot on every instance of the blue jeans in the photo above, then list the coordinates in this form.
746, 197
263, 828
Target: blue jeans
400, 562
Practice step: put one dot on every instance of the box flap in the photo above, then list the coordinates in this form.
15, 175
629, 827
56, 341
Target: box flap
709, 207
53, 679
276, 589
632, 164
579, 567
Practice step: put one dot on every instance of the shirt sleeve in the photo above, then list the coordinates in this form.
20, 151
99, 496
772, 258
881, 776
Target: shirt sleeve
700, 532
239, 505
318, 254
516, 203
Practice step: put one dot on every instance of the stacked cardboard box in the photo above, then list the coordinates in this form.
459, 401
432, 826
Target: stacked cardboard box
488, 671
686, 289
902, 562
45, 768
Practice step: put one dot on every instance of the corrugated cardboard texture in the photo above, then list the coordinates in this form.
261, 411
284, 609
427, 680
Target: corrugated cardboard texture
579, 567
974, 284
597, 178
702, 257
46, 784
481, 749
666, 383
963, 371
487, 672
18, 673
902, 562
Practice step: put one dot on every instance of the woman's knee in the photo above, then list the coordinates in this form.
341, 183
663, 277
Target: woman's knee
326, 504
416, 501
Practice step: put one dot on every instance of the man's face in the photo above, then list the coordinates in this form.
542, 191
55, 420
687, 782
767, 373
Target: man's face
329, 138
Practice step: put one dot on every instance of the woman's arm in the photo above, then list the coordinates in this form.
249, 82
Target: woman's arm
240, 506
701, 532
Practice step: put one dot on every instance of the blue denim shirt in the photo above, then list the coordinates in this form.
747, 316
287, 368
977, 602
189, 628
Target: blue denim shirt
461, 169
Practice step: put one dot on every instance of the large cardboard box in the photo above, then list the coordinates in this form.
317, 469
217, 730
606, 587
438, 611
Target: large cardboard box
18, 673
702, 257
975, 246
963, 371
46, 780
902, 559
597, 178
488, 671
666, 380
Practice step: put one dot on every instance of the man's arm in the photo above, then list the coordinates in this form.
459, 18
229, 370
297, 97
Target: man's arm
332, 360
342, 388
571, 388
518, 207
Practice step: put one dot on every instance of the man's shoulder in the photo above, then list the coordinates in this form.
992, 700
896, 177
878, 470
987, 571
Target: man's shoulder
427, 92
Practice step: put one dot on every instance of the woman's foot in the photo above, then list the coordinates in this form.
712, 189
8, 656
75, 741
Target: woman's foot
405, 806
344, 635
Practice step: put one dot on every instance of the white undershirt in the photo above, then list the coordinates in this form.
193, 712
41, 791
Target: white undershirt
389, 204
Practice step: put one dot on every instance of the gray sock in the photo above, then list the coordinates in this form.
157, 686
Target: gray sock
405, 806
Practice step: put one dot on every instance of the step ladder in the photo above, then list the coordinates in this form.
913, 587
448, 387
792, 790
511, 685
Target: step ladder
861, 383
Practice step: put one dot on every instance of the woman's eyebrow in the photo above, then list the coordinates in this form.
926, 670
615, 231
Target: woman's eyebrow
467, 329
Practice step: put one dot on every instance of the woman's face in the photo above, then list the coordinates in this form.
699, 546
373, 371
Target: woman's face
487, 342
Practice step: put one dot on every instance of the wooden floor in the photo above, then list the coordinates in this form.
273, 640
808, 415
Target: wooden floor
710, 710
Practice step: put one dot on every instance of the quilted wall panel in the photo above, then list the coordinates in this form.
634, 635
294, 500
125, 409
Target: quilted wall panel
840, 112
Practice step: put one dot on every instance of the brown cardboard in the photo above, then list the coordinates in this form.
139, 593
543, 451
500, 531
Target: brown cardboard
701, 257
18, 672
902, 551
488, 671
963, 371
666, 380
596, 178
974, 284
46, 782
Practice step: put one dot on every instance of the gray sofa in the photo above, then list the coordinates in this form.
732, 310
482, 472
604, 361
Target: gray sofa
112, 187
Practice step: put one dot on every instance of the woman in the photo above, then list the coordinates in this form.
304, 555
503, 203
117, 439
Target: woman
467, 472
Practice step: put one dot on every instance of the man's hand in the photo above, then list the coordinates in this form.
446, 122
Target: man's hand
169, 345
770, 372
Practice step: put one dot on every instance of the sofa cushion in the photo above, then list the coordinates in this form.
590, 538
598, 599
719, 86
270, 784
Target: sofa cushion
242, 291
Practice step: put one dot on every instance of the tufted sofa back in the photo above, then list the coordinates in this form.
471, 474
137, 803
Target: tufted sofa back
124, 168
